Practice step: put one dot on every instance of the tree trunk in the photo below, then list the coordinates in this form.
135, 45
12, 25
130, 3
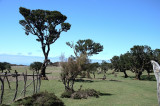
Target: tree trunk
43, 68
148, 72
138, 75
94, 75
45, 63
125, 74
88, 74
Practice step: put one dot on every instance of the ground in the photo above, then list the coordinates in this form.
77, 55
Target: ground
115, 90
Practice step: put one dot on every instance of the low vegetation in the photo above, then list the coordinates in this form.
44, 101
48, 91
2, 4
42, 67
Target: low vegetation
113, 91
40, 99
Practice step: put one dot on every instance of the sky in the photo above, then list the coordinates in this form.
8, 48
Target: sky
118, 25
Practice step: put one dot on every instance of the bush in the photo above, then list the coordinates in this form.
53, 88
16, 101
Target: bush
66, 94
40, 99
92, 92
84, 94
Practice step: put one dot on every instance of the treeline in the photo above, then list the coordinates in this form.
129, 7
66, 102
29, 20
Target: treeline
136, 60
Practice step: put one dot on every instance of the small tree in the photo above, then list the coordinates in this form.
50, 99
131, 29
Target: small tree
35, 66
2, 66
115, 63
104, 66
5, 66
70, 69
44, 24
86, 47
92, 68
125, 63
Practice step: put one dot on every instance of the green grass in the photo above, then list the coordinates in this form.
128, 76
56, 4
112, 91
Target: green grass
116, 90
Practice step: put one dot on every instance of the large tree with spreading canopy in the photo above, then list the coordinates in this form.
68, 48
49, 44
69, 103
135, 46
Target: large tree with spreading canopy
46, 25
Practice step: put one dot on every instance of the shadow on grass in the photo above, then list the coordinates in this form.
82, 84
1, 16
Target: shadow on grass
82, 80
115, 80
48, 73
105, 94
146, 78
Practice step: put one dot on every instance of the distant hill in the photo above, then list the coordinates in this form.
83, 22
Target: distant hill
27, 60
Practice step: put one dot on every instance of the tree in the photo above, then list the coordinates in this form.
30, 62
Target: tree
92, 68
44, 24
2, 66
86, 47
36, 66
70, 70
5, 66
115, 63
125, 63
156, 55
140, 57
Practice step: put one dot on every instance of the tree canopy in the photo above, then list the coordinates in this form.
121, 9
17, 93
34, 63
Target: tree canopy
88, 47
137, 60
35, 66
5, 66
46, 25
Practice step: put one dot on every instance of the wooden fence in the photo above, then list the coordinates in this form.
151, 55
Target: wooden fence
36, 80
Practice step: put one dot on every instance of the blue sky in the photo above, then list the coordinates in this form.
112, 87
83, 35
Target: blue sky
117, 24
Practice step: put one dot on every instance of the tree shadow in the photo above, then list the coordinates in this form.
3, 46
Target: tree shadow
105, 94
115, 80
146, 78
82, 80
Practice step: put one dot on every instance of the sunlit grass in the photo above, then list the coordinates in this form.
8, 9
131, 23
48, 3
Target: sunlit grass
116, 90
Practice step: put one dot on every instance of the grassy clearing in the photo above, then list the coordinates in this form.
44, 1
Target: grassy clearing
115, 90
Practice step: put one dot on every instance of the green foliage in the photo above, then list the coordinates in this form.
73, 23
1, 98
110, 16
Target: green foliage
38, 22
84, 94
5, 66
104, 66
115, 62
36, 66
70, 70
91, 68
140, 58
87, 46
40, 99
43, 24
137, 60
156, 55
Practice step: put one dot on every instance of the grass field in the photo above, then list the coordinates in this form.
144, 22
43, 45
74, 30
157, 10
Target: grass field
115, 90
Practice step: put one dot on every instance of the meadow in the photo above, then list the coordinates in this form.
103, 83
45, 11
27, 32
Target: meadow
115, 90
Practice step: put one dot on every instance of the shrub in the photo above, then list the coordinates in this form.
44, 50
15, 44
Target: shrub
40, 99
66, 94
84, 94
92, 92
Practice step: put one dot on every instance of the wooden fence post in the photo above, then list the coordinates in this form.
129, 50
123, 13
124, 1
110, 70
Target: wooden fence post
39, 82
33, 83
16, 75
7, 80
36, 85
2, 90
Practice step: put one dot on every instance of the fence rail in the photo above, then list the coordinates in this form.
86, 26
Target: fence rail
36, 85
